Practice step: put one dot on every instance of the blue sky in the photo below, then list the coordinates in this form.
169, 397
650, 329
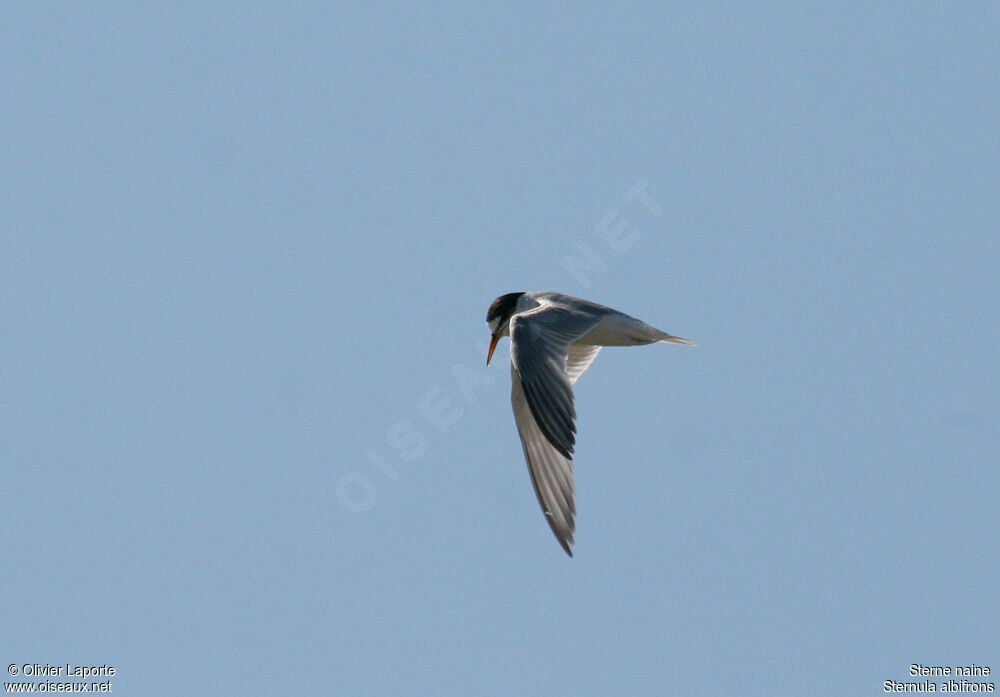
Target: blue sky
248, 440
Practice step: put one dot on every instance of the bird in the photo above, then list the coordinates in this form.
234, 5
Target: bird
553, 339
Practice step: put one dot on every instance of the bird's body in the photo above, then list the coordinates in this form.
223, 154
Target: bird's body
554, 339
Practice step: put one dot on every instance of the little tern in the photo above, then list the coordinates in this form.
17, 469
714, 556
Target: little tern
553, 339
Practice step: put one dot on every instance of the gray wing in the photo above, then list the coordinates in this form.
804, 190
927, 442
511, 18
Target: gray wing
539, 349
544, 365
551, 472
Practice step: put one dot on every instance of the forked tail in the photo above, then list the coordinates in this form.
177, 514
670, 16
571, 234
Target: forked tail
671, 339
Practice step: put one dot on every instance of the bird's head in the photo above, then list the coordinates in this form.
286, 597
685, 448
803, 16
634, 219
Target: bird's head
498, 319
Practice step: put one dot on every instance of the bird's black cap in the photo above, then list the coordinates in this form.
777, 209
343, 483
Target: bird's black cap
503, 307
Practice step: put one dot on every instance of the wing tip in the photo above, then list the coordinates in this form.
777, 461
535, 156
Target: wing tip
563, 536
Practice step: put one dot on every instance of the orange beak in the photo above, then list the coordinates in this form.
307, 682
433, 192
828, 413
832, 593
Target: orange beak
493, 345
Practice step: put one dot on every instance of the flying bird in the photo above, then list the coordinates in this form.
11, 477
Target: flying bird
553, 339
